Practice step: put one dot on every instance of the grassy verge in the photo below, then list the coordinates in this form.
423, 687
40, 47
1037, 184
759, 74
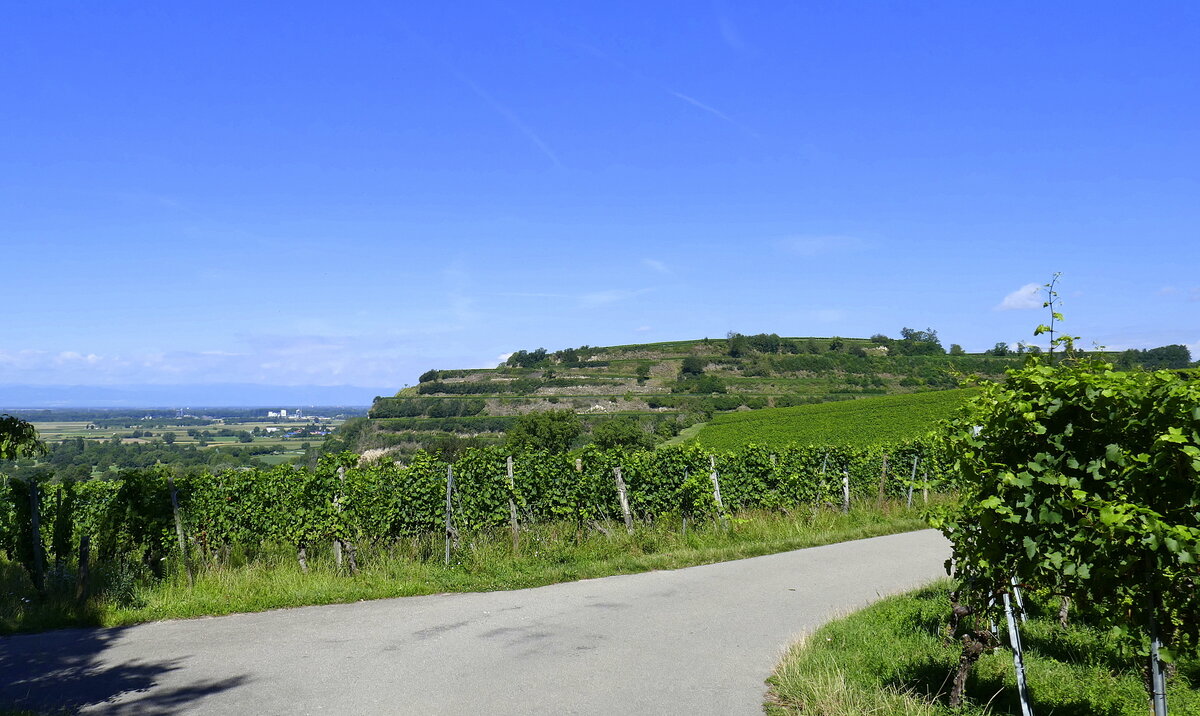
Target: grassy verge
892, 658
546, 554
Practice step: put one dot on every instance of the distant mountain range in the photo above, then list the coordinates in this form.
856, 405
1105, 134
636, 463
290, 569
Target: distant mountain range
230, 395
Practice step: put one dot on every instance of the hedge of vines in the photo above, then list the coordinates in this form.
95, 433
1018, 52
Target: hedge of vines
131, 518
1083, 481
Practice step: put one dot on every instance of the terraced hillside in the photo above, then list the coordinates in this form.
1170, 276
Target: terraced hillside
666, 386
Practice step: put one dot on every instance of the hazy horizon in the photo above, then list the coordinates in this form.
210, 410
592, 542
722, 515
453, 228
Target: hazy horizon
227, 395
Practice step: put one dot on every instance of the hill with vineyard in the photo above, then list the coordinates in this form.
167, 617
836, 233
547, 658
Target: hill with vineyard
665, 387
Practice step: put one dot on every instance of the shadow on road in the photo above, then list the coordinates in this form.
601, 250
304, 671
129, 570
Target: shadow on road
64, 671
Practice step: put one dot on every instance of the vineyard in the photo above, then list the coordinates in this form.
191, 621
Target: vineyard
1080, 483
155, 521
863, 422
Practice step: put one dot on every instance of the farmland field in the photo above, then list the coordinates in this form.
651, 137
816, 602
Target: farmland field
862, 422
101, 440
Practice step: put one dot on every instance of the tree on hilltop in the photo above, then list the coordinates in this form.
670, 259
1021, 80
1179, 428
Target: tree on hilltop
919, 343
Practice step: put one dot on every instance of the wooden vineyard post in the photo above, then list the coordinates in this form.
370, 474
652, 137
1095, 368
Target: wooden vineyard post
846, 491
183, 550
925, 487
578, 512
351, 550
911, 481
512, 505
624, 499
337, 507
343, 549
81, 578
824, 464
39, 574
712, 463
882, 481
449, 510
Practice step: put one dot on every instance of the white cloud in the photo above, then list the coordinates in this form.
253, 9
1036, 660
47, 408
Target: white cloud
74, 357
643, 329
1027, 296
820, 245
503, 357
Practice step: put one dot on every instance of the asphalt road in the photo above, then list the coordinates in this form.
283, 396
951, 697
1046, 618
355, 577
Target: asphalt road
692, 641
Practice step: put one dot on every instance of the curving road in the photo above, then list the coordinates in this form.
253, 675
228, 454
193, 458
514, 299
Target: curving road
691, 641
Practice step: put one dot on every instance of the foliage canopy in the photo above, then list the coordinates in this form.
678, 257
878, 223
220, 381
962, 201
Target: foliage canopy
1085, 481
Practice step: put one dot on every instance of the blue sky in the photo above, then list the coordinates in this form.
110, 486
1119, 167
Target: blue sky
299, 194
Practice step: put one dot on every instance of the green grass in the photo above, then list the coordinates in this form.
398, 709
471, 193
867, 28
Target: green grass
687, 434
547, 554
892, 658
862, 422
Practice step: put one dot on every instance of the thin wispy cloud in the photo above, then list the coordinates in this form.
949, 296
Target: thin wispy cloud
711, 110
590, 299
697, 103
596, 53
657, 266
510, 116
1191, 294
820, 245
603, 298
532, 294
730, 34
727, 28
1025, 297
